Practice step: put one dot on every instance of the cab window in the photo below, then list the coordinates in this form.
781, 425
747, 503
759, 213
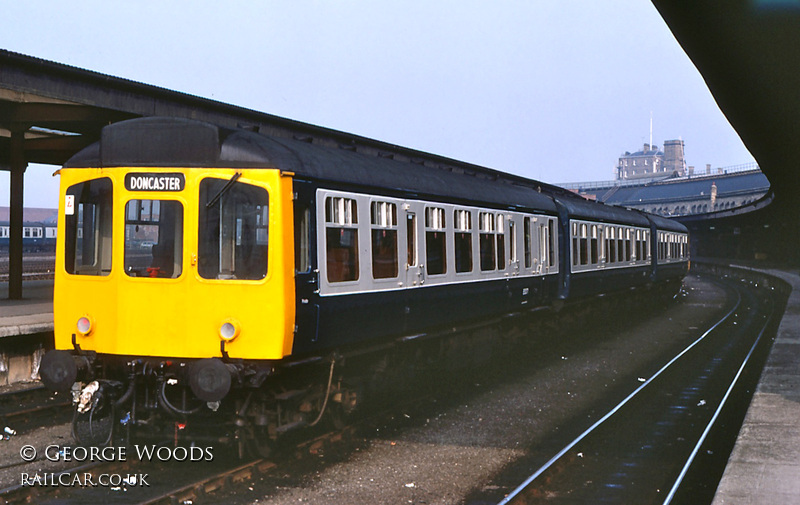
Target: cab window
234, 232
153, 238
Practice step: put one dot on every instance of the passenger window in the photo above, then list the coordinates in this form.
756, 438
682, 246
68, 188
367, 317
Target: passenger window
627, 244
302, 238
584, 245
543, 244
575, 248
463, 240
89, 228
435, 243
234, 235
487, 242
411, 239
501, 243
551, 242
153, 238
512, 232
341, 239
637, 247
384, 240
526, 231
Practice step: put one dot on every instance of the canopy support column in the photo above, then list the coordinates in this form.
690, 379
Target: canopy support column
18, 165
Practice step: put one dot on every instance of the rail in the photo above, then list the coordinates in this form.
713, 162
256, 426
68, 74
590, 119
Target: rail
680, 389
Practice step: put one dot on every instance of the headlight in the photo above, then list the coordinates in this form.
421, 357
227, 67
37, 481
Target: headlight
84, 325
229, 330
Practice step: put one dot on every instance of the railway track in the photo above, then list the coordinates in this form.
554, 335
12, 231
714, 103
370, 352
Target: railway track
196, 483
126, 478
666, 442
26, 409
35, 266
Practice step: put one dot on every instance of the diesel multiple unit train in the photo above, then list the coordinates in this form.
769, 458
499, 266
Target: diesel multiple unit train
36, 237
215, 277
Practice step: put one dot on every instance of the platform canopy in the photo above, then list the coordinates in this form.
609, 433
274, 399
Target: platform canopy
50, 111
748, 52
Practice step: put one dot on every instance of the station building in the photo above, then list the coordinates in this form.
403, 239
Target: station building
672, 196
651, 162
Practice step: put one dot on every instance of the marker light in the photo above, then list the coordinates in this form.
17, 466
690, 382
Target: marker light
84, 325
229, 330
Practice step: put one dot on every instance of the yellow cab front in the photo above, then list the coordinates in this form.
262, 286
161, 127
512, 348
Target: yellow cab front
176, 263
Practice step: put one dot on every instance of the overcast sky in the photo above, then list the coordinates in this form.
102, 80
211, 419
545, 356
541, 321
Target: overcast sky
554, 91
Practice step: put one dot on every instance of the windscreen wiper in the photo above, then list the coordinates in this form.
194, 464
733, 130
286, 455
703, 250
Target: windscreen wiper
224, 189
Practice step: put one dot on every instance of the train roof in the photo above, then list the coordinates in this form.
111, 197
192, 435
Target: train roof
585, 209
663, 223
176, 142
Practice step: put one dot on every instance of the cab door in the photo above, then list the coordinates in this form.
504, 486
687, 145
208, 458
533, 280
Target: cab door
241, 291
307, 312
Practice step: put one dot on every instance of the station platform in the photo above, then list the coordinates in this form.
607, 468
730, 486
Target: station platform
26, 328
764, 467
33, 314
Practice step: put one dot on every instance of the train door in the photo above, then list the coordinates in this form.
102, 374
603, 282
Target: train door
550, 246
307, 311
513, 245
415, 269
413, 216
538, 235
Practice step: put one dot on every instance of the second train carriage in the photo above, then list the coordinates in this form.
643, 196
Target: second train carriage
36, 237
210, 260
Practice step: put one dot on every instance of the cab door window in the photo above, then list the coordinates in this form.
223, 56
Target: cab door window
234, 230
153, 238
88, 226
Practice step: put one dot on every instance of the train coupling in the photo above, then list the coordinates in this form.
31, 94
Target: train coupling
86, 395
59, 369
95, 394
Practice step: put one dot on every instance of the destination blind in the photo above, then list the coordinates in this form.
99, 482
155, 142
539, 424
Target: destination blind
155, 182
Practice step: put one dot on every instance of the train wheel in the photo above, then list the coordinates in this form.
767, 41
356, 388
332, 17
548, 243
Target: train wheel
263, 445
344, 403
336, 416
